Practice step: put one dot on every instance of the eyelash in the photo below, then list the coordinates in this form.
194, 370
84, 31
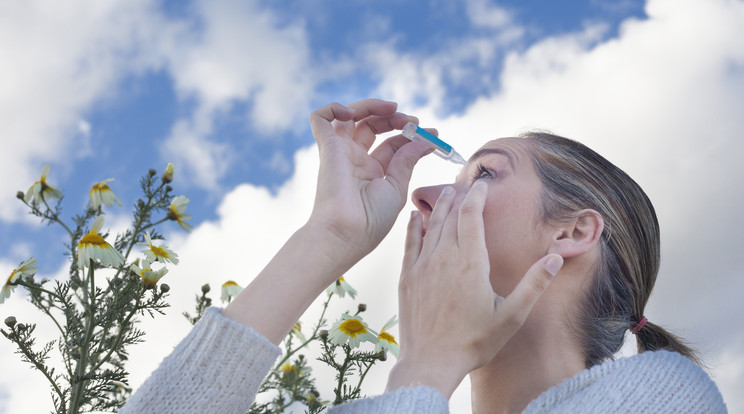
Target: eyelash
483, 172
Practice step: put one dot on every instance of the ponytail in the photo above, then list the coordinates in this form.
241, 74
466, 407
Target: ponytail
652, 337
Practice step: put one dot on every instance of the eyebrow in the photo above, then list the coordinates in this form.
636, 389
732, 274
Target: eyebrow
485, 151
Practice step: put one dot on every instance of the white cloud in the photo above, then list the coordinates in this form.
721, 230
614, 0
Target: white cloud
59, 59
483, 14
662, 101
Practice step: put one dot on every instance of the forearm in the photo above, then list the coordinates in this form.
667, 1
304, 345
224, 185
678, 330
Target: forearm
308, 262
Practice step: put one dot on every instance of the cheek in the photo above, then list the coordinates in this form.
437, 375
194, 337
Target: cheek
511, 240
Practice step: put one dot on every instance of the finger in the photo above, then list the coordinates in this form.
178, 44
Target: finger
372, 106
367, 129
537, 279
321, 119
437, 220
470, 226
363, 109
385, 151
414, 239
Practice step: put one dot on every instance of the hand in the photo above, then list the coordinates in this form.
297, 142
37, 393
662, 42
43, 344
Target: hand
360, 194
451, 320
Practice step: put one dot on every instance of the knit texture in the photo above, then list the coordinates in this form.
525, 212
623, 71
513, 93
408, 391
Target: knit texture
650, 382
216, 368
220, 364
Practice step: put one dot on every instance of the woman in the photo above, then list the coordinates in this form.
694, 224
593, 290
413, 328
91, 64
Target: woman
477, 290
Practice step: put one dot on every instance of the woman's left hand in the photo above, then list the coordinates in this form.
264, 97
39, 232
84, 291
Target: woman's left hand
451, 320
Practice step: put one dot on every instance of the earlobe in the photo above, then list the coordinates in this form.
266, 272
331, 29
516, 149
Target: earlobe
579, 235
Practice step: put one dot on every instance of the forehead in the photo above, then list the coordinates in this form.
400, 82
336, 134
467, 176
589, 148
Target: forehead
517, 150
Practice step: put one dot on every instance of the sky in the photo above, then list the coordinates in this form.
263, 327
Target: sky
223, 89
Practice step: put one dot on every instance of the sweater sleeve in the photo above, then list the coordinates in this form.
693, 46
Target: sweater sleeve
217, 368
419, 399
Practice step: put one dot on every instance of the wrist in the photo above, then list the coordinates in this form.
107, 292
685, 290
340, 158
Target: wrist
440, 375
337, 248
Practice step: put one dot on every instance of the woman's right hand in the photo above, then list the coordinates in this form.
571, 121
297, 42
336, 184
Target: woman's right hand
451, 320
360, 194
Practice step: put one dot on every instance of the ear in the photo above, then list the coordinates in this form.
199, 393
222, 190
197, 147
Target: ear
579, 235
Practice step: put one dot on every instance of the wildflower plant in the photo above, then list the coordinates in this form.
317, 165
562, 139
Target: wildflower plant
349, 347
96, 309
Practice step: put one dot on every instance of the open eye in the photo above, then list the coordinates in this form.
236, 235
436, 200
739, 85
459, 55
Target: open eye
483, 172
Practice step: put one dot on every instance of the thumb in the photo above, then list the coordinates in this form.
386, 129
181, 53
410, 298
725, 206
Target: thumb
401, 165
531, 287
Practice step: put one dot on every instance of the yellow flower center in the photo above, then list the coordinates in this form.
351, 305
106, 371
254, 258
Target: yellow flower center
352, 327
158, 252
101, 187
229, 283
173, 214
387, 337
288, 368
92, 238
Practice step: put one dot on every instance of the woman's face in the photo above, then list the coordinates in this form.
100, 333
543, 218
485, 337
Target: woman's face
516, 235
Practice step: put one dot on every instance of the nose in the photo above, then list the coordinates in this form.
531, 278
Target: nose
425, 198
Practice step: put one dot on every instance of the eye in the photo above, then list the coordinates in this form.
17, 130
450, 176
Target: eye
483, 172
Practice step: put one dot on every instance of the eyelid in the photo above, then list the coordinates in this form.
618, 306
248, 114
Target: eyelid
481, 170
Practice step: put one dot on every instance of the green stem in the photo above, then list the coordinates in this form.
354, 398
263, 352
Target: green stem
78, 388
361, 378
54, 216
30, 357
41, 289
342, 375
139, 228
312, 337
120, 336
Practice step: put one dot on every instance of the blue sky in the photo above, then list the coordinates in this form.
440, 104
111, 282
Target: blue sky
223, 89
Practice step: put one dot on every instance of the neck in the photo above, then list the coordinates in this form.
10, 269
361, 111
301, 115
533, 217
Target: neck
538, 357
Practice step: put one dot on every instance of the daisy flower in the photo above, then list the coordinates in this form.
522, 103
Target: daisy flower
176, 212
40, 190
27, 268
158, 253
94, 247
297, 331
101, 193
341, 288
230, 289
386, 341
149, 277
353, 329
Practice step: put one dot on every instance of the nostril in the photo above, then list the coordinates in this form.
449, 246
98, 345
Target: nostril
424, 206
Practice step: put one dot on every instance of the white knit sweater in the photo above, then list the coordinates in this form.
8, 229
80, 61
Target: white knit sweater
220, 364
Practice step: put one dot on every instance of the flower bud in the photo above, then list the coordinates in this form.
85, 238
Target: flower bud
362, 307
10, 321
382, 356
168, 174
168, 189
205, 288
21, 327
164, 288
323, 334
152, 172
20, 195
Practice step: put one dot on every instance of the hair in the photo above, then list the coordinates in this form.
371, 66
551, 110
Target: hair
574, 178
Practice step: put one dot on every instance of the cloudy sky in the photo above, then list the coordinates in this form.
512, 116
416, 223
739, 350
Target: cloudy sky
223, 89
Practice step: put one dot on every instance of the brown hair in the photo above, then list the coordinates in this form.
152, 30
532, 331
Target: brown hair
574, 178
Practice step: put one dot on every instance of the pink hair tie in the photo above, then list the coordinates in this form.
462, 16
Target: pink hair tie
639, 326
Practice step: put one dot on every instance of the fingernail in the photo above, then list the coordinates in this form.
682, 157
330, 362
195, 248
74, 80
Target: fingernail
414, 213
445, 191
554, 264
